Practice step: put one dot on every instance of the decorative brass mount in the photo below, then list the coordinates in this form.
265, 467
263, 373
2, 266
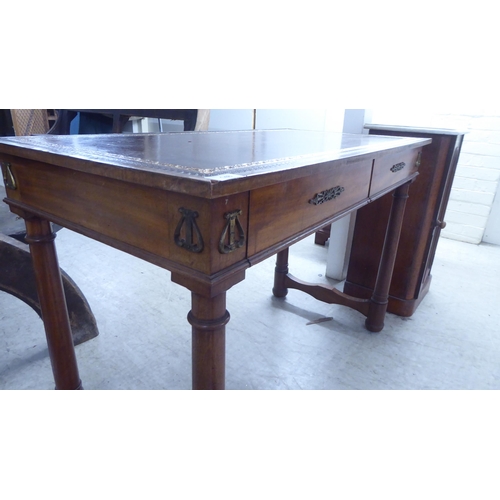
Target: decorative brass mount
8, 176
329, 194
229, 233
419, 159
398, 167
192, 241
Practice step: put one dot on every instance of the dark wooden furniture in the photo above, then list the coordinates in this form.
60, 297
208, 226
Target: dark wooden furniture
423, 221
6, 125
118, 117
205, 206
321, 236
17, 277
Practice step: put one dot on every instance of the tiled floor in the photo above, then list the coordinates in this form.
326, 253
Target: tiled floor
451, 342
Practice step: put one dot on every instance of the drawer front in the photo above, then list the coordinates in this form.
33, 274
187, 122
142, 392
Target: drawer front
283, 210
393, 168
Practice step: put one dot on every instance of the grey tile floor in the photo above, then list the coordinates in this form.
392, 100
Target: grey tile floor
451, 342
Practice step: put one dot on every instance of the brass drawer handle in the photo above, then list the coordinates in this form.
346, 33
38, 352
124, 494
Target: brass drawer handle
8, 177
192, 241
232, 227
398, 167
327, 195
419, 160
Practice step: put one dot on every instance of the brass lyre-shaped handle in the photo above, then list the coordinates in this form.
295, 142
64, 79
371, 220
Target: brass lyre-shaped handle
228, 241
192, 241
8, 177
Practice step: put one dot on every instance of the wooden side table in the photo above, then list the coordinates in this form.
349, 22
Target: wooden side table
422, 223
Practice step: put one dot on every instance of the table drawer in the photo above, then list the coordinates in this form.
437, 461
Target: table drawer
279, 212
393, 168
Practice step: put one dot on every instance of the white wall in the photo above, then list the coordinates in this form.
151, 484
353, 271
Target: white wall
309, 119
478, 172
492, 231
230, 119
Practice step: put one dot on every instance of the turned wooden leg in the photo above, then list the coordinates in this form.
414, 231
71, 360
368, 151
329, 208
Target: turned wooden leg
280, 272
379, 300
52, 303
208, 318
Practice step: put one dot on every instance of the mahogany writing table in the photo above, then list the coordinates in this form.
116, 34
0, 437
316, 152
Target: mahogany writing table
205, 206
